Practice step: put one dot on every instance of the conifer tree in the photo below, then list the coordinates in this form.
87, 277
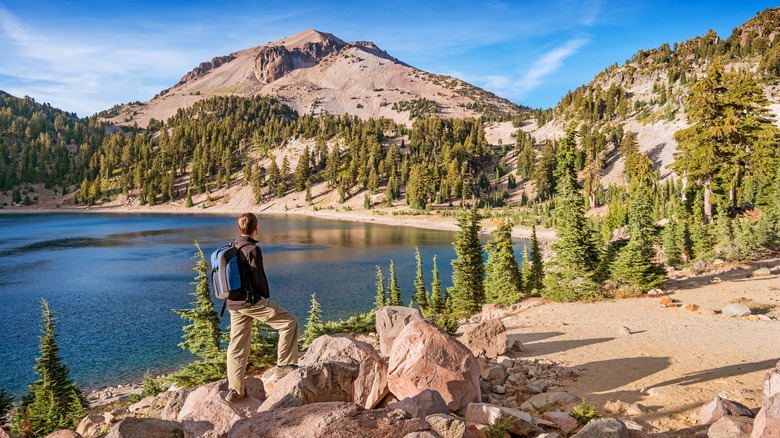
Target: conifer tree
535, 277
437, 300
6, 402
468, 289
189, 198
544, 172
634, 266
201, 337
367, 201
525, 269
394, 291
421, 295
672, 245
54, 401
381, 293
502, 275
314, 323
302, 171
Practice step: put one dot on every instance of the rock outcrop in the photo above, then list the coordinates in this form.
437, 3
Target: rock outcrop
321, 382
425, 357
767, 423
487, 338
427, 402
390, 320
717, 408
370, 385
132, 427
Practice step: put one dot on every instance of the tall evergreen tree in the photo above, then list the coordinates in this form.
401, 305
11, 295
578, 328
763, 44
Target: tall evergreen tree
381, 292
54, 402
672, 246
468, 288
314, 323
421, 295
6, 402
503, 281
438, 300
394, 291
302, 170
202, 336
534, 278
544, 172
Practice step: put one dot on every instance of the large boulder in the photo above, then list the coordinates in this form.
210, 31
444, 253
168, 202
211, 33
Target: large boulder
521, 423
447, 426
427, 402
487, 338
89, 426
731, 427
604, 428
252, 385
215, 416
390, 321
135, 427
175, 403
425, 357
716, 408
333, 419
767, 423
370, 386
321, 382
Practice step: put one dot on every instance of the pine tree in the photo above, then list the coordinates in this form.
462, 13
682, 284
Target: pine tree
634, 266
381, 293
189, 198
395, 292
302, 171
437, 299
534, 280
525, 269
672, 245
308, 192
468, 290
502, 275
201, 337
314, 323
421, 295
544, 172
367, 202
6, 403
50, 404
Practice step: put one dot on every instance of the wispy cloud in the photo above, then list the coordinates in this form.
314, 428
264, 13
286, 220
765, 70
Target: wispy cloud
546, 65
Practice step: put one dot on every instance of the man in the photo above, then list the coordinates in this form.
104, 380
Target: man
256, 304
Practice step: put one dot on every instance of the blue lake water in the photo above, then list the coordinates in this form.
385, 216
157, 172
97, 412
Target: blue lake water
113, 279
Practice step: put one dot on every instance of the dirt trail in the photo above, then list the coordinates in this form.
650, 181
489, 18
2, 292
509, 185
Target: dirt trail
674, 360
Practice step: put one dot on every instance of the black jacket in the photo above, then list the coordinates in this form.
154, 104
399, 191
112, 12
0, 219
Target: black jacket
250, 260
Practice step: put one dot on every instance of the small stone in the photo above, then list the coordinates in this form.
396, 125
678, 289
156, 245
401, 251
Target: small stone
622, 331
692, 307
666, 301
673, 305
707, 311
737, 310
699, 266
655, 293
762, 271
499, 389
751, 318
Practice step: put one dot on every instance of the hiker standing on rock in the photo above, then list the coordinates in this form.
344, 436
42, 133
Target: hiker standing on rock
255, 304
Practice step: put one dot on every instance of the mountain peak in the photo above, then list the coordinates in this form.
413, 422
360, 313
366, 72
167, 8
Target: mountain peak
306, 37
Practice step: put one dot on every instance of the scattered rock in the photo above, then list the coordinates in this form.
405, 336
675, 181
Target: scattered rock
370, 386
321, 382
655, 293
90, 426
427, 402
390, 321
562, 400
483, 413
666, 301
175, 403
423, 434
320, 420
707, 311
425, 357
692, 308
495, 374
488, 338
752, 318
624, 331
735, 310
716, 280
135, 427
562, 420
488, 308
516, 347
447, 426
718, 407
620, 407
699, 266
731, 427
604, 428
762, 271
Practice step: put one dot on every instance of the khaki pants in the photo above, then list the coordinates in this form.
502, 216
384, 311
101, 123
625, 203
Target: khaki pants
267, 311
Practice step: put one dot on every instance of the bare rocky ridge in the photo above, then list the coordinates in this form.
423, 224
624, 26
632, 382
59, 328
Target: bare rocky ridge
316, 72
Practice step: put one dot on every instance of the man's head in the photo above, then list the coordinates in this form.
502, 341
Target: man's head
247, 224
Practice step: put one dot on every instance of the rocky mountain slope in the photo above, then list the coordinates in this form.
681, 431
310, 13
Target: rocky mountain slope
316, 72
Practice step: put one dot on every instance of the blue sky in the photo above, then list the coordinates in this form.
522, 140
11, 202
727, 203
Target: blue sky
86, 56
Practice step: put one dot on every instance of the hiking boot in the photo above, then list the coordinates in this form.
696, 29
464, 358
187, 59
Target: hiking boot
233, 397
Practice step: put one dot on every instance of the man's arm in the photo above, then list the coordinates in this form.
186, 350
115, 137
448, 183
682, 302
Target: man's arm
258, 278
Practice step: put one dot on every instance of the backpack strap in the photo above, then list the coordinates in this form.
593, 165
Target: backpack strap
249, 289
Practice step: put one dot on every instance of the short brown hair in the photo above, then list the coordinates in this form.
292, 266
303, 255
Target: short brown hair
247, 223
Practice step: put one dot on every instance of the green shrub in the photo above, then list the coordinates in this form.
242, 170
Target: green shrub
584, 412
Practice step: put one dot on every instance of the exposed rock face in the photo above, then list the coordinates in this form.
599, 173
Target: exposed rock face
563, 400
133, 427
716, 408
321, 382
273, 62
427, 402
214, 416
370, 386
488, 338
731, 427
203, 68
175, 403
390, 321
334, 419
521, 422
253, 386
767, 423
89, 426
604, 428
425, 357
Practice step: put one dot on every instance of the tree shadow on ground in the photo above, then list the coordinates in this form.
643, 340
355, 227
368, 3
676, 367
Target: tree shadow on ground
532, 337
735, 275
719, 373
606, 375
532, 345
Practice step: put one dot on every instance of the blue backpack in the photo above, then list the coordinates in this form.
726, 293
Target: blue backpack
226, 274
